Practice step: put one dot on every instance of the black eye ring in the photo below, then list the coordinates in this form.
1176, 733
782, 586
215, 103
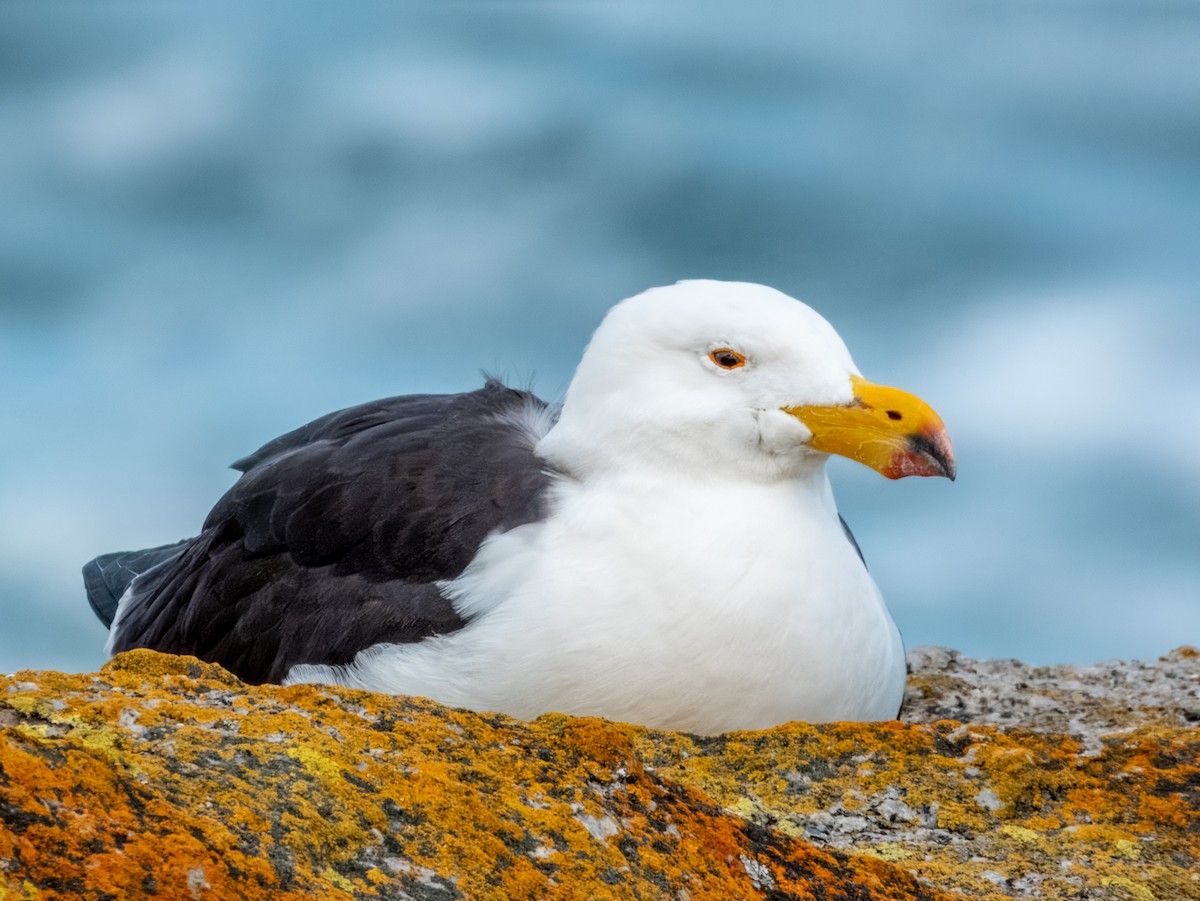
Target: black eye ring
727, 358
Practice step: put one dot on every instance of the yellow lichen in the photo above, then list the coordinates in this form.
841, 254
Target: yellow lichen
1020, 833
1134, 889
887, 851
1130, 850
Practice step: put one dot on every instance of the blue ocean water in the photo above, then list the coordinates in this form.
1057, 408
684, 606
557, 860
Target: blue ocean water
220, 221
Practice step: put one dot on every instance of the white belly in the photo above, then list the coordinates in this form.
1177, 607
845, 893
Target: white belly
738, 606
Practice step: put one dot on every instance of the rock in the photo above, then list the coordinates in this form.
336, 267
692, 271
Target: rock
162, 777
1086, 701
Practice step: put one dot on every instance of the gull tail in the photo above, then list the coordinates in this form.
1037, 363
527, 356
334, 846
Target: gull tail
108, 576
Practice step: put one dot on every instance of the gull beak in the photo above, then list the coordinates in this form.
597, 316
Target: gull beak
892, 431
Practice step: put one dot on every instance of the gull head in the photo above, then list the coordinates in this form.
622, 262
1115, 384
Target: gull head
716, 379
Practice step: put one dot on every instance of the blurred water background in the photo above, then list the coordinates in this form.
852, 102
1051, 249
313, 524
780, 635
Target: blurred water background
218, 221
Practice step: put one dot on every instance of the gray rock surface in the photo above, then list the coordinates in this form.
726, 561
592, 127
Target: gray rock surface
1087, 701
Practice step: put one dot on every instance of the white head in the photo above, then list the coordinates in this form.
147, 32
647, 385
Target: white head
728, 378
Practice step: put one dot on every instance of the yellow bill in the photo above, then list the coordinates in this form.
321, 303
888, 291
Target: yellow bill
892, 431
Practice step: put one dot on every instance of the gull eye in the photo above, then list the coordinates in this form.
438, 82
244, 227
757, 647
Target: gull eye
727, 358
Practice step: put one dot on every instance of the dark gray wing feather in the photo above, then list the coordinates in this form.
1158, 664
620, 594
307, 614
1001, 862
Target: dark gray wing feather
107, 577
333, 537
852, 539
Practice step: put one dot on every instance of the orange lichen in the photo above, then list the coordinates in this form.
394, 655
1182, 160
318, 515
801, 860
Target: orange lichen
161, 777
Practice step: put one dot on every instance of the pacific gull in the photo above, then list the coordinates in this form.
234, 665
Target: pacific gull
664, 549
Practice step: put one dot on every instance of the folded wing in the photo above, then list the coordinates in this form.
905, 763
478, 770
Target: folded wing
336, 535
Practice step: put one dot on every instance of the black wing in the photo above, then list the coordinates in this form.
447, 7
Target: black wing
333, 538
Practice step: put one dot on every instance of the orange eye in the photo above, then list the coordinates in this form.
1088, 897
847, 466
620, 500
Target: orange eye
727, 358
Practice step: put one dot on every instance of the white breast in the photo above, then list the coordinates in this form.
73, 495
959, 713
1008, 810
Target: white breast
702, 608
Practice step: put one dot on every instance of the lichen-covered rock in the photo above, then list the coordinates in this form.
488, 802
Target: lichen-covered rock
974, 809
161, 777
